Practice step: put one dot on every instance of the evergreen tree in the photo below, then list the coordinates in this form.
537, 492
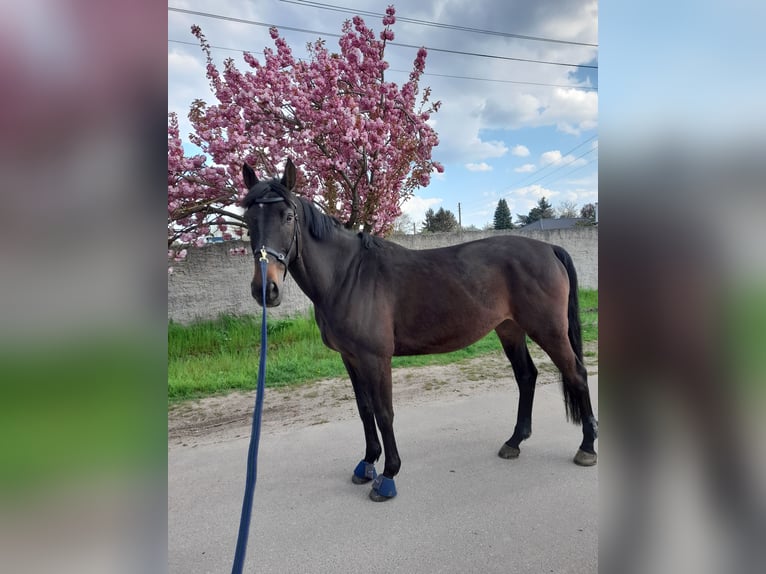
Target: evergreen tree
440, 221
543, 210
503, 216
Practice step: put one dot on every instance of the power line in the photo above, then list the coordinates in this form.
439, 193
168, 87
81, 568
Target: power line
399, 18
572, 86
560, 167
566, 153
476, 205
444, 50
587, 88
578, 168
196, 44
496, 57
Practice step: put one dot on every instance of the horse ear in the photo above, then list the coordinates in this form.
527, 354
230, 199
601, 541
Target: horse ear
288, 179
249, 176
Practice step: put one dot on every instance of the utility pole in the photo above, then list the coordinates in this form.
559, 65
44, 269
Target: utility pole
459, 217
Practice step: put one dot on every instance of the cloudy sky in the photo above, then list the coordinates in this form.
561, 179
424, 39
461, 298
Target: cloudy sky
508, 127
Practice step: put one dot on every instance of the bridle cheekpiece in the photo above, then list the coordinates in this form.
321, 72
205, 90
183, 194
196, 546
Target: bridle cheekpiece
279, 255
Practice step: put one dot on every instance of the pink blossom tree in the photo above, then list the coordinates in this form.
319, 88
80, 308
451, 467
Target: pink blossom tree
362, 144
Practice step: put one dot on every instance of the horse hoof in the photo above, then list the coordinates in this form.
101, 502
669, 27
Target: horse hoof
363, 473
383, 488
375, 497
583, 458
508, 451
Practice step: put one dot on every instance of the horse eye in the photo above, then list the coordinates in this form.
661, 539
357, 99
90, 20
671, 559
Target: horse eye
289, 217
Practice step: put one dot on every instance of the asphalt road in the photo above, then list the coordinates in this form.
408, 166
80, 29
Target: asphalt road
460, 508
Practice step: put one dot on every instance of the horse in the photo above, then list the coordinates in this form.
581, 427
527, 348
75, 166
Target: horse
374, 299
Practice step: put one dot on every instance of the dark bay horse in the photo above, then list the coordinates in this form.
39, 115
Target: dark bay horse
374, 299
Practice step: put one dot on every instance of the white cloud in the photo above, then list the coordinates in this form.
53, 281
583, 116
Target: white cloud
184, 63
570, 110
583, 196
584, 180
535, 190
573, 110
460, 140
570, 196
416, 206
554, 157
474, 120
520, 151
483, 166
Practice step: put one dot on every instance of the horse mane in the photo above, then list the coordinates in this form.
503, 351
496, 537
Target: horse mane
319, 224
371, 241
322, 225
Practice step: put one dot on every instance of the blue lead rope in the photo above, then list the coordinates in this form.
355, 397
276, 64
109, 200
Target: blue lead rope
255, 436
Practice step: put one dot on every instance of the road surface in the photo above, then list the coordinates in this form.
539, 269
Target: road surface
460, 508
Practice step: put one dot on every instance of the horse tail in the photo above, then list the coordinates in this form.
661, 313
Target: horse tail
571, 395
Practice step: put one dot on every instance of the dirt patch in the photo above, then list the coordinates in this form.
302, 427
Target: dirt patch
229, 416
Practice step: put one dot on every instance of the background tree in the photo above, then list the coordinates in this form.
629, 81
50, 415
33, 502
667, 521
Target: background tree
362, 143
403, 225
503, 216
567, 209
543, 210
440, 221
588, 211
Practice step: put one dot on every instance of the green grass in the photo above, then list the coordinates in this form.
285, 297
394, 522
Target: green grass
745, 337
588, 299
78, 410
222, 355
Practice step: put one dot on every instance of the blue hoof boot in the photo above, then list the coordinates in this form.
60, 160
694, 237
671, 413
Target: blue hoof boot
383, 488
363, 473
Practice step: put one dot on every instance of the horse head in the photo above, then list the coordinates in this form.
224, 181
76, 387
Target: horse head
272, 220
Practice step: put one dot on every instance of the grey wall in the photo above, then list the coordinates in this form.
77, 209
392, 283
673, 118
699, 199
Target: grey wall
211, 282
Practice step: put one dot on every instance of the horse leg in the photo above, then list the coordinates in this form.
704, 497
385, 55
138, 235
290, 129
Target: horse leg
374, 376
512, 337
365, 470
586, 454
576, 393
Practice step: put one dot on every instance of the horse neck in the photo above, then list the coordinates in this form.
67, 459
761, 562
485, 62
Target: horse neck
323, 264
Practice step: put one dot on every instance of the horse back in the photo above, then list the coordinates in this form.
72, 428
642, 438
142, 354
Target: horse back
444, 299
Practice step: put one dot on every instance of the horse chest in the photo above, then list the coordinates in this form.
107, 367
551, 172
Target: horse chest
350, 334
333, 334
329, 340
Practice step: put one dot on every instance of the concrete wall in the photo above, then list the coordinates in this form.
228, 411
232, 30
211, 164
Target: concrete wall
211, 282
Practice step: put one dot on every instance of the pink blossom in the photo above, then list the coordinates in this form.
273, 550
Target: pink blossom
360, 142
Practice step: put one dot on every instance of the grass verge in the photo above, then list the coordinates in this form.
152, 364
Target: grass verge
217, 356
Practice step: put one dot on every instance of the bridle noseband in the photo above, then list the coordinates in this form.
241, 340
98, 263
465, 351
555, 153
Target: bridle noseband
295, 240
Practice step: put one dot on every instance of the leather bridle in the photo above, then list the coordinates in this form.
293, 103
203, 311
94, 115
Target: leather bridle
282, 257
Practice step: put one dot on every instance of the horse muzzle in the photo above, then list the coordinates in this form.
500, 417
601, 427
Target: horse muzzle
273, 286
273, 293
